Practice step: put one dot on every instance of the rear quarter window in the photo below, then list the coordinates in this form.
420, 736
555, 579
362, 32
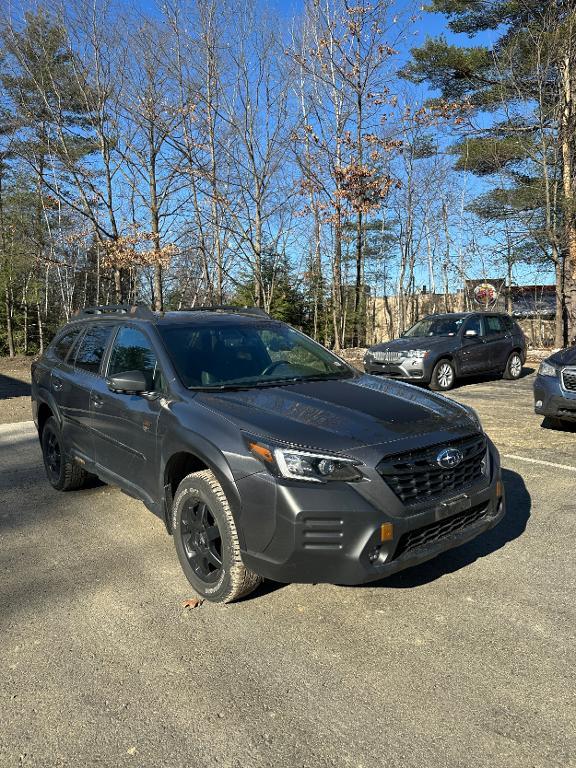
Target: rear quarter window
92, 347
61, 346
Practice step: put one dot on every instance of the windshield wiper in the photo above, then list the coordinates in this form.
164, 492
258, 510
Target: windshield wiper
263, 383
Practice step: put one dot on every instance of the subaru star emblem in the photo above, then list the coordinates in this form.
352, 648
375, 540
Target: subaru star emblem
449, 458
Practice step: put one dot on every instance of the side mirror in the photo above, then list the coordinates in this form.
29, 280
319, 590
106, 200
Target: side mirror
470, 333
133, 382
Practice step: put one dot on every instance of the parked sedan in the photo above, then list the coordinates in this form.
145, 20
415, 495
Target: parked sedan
555, 388
441, 348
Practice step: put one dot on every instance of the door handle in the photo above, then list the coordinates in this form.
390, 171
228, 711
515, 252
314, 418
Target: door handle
57, 384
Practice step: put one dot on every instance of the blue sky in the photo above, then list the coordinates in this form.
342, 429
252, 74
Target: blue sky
426, 25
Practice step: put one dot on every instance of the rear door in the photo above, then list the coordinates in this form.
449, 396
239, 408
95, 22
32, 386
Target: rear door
473, 358
87, 360
498, 341
125, 425
60, 379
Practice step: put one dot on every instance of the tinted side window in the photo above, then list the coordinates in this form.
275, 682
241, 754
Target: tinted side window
494, 325
92, 347
132, 351
64, 344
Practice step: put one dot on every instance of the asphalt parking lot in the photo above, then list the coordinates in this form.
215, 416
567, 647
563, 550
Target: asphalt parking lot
468, 660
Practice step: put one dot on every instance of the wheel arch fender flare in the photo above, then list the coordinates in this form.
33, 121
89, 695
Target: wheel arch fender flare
45, 399
174, 444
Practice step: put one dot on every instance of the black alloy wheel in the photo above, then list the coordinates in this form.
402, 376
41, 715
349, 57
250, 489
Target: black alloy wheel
62, 471
202, 540
52, 455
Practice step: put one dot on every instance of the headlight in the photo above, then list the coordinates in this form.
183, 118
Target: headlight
304, 465
418, 354
547, 370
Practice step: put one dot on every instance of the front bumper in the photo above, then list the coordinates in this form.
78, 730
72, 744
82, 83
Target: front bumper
407, 369
550, 399
333, 533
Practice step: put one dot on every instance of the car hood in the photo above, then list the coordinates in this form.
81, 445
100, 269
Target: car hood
564, 357
337, 415
418, 342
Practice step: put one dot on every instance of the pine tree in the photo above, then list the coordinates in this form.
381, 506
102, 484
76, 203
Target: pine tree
523, 89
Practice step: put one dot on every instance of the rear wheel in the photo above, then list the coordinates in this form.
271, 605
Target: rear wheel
206, 540
443, 376
62, 473
513, 368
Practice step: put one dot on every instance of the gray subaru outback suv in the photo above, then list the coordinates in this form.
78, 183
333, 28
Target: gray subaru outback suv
266, 455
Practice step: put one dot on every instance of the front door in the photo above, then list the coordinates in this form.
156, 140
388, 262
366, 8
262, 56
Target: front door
125, 425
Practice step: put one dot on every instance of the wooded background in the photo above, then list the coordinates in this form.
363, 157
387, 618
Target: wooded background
223, 151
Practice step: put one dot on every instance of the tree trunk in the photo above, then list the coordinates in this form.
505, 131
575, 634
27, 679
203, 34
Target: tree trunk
567, 137
158, 298
40, 328
337, 309
560, 320
118, 285
9, 328
358, 298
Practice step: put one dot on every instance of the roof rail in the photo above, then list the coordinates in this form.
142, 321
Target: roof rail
258, 311
137, 310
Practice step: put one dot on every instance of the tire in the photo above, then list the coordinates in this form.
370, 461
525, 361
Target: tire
63, 474
443, 376
513, 368
206, 540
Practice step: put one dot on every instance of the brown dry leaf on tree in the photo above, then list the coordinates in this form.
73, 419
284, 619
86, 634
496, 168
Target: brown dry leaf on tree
192, 602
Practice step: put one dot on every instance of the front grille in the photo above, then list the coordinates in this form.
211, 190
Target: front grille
569, 379
435, 532
416, 477
387, 356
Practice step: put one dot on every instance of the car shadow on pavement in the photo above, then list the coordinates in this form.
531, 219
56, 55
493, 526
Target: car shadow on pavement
485, 378
512, 525
565, 426
10, 387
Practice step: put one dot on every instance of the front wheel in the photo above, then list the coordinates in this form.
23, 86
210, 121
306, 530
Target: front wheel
443, 376
513, 368
206, 540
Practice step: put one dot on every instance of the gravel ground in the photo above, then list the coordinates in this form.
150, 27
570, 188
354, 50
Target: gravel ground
467, 661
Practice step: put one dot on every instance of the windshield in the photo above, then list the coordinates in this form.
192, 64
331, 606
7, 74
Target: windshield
436, 326
223, 356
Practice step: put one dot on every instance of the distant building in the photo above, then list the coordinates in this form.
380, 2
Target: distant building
534, 301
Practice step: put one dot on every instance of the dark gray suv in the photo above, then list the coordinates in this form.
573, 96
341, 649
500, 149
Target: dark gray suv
441, 348
265, 454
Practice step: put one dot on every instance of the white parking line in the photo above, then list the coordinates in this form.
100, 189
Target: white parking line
539, 461
16, 426
10, 434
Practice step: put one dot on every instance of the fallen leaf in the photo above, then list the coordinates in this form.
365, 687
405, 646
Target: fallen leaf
193, 602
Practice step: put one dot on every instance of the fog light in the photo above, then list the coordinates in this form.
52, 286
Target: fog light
386, 532
374, 554
538, 403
